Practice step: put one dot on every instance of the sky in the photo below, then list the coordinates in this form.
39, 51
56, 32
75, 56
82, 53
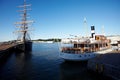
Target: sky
61, 18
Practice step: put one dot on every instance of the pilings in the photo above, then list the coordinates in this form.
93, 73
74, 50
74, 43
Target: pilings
106, 64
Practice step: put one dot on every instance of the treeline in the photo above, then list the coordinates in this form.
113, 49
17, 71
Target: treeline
54, 40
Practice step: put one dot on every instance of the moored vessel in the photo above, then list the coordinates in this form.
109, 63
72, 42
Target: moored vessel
24, 40
84, 48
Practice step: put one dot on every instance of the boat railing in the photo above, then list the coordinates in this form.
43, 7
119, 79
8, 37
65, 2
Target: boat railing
75, 50
103, 48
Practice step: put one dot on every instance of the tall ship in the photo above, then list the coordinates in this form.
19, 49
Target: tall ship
23, 28
84, 48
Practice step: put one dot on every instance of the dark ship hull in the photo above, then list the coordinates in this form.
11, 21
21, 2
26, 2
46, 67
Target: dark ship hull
25, 47
28, 46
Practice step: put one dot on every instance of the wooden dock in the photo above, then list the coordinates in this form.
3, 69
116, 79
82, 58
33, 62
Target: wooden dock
6, 46
5, 49
106, 64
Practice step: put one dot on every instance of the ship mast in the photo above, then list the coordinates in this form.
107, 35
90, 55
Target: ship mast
23, 25
103, 32
86, 28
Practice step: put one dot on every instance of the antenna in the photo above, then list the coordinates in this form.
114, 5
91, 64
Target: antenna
85, 26
103, 32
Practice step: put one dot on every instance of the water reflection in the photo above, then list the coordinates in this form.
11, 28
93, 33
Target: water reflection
43, 63
22, 65
4, 59
24, 56
78, 71
73, 71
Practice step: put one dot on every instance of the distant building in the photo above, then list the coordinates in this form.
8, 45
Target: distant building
115, 42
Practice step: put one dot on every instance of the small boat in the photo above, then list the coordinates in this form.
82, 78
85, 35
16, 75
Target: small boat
80, 49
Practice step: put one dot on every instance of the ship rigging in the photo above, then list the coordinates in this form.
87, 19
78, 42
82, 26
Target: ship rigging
23, 27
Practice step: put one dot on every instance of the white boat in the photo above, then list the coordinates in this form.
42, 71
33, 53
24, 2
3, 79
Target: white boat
80, 49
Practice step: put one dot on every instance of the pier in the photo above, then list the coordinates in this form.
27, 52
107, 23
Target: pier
6, 47
106, 65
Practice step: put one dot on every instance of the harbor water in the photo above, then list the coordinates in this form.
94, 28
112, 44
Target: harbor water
43, 63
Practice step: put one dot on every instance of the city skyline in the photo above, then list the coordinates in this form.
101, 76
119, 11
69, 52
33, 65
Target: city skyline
61, 18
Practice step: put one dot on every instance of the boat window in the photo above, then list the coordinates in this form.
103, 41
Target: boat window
106, 44
96, 45
82, 45
86, 45
100, 45
75, 45
92, 45
79, 45
114, 44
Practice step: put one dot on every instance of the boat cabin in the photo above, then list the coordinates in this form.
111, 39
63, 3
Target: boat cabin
100, 42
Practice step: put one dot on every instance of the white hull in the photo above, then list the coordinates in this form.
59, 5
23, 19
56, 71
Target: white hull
77, 57
82, 56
